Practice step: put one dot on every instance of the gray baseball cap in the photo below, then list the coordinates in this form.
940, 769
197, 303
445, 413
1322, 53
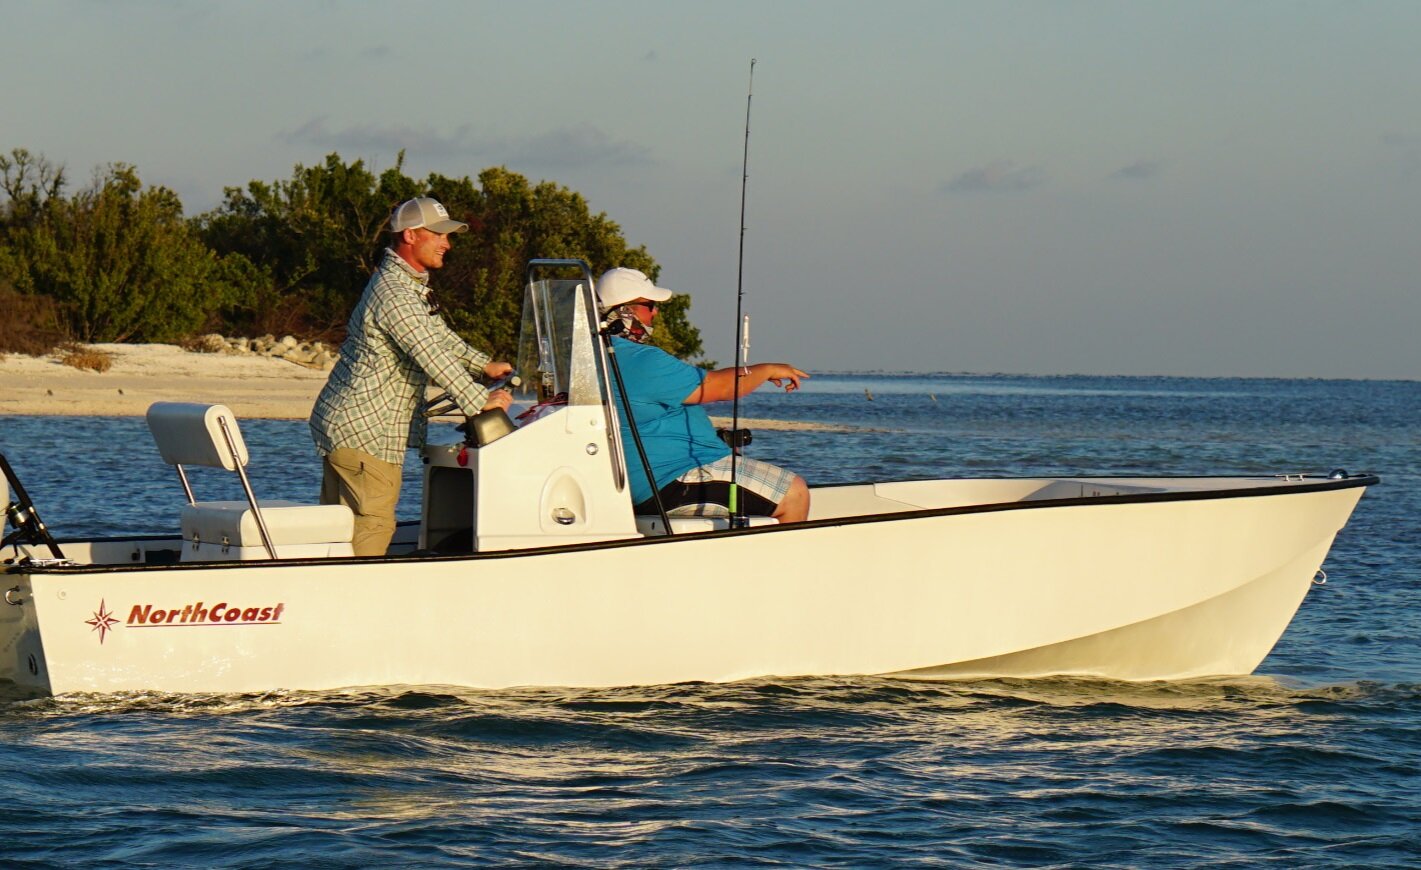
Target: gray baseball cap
424, 212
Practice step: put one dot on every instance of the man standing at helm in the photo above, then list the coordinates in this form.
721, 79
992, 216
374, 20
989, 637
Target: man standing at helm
691, 464
397, 344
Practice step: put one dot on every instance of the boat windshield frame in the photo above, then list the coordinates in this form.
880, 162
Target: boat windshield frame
561, 351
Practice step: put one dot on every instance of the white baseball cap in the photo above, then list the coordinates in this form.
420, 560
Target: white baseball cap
424, 212
620, 286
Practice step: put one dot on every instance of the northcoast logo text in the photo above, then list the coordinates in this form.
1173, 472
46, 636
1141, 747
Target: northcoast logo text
148, 616
189, 615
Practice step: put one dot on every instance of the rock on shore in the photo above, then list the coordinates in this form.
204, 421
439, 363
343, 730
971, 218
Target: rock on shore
313, 354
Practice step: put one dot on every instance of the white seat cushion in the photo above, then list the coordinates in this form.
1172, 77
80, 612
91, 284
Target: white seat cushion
232, 523
202, 552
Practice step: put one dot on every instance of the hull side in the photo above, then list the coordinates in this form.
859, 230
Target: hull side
1226, 635
883, 597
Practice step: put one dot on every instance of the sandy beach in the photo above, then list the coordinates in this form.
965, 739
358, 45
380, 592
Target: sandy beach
252, 386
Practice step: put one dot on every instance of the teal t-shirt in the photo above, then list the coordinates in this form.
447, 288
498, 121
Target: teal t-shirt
677, 437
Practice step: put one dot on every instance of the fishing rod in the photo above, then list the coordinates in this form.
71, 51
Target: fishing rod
22, 516
606, 333
742, 324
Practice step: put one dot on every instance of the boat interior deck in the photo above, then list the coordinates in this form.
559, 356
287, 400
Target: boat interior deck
829, 503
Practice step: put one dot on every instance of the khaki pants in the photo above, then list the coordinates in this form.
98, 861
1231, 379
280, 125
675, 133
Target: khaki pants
370, 487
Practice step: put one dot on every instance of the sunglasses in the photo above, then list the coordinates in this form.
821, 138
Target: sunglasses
650, 306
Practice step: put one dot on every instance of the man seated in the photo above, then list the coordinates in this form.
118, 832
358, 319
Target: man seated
691, 464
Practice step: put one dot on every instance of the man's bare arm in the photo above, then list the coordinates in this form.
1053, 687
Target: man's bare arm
719, 385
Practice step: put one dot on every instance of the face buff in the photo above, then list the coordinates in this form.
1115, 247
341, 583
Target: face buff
632, 328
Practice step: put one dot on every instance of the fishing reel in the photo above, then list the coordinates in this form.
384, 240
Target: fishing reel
735, 439
21, 516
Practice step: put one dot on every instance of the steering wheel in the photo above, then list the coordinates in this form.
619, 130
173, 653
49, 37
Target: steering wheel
444, 403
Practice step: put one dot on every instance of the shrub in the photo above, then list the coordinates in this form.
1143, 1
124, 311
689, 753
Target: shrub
120, 261
83, 358
29, 325
208, 342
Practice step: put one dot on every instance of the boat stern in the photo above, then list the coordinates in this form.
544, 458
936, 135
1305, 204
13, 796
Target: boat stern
22, 660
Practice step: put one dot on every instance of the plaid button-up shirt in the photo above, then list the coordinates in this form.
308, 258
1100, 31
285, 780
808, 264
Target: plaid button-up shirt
396, 346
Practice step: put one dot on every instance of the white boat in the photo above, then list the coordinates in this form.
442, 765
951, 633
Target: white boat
528, 567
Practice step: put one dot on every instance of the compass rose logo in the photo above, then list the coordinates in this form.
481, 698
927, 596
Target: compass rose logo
103, 621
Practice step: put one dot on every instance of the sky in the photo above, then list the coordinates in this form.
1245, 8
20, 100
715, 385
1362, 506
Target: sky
1184, 188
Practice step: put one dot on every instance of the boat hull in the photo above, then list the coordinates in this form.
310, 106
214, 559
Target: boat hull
1134, 589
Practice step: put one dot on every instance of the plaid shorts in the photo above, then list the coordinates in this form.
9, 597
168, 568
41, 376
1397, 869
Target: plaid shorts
705, 491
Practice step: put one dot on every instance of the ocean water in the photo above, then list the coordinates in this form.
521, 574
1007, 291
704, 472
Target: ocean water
1313, 761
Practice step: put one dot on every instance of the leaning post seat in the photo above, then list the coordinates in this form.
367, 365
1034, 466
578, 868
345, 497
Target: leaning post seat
196, 434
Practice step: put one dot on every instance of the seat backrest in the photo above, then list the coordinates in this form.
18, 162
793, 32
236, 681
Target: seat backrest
189, 433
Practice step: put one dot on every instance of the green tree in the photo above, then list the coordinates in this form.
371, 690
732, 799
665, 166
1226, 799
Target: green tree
119, 260
30, 323
28, 182
511, 222
321, 234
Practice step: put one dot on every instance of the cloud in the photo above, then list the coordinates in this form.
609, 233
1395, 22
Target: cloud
380, 138
999, 177
1139, 170
580, 145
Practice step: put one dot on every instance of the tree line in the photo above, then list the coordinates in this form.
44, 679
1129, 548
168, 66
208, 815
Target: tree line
117, 261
